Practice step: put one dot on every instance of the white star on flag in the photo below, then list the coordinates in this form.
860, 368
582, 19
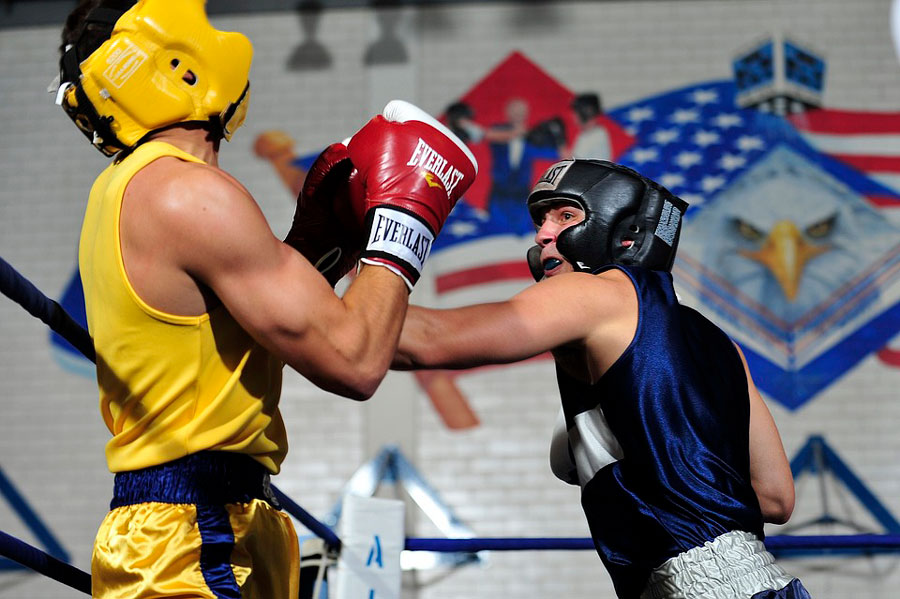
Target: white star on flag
729, 162
711, 183
726, 120
671, 180
645, 155
687, 159
683, 116
462, 228
639, 113
665, 136
705, 96
746, 143
694, 199
706, 138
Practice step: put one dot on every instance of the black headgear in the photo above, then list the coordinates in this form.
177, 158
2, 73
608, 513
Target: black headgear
619, 205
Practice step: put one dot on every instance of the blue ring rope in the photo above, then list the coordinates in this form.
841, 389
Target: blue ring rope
41, 561
779, 544
308, 520
22, 291
867, 544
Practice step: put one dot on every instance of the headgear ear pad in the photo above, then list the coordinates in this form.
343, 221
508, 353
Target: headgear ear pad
628, 220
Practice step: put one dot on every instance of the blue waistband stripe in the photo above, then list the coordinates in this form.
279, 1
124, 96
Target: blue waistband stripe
205, 478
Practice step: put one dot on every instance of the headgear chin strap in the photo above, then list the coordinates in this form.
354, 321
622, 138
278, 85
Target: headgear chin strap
162, 63
628, 219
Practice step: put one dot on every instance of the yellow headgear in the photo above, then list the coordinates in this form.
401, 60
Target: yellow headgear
164, 63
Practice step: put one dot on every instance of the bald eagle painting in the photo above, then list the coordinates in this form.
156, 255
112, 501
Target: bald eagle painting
796, 252
791, 240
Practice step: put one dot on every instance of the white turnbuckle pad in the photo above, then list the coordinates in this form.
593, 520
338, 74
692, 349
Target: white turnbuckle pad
372, 535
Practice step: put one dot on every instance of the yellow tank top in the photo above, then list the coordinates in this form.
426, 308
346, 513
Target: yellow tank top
169, 385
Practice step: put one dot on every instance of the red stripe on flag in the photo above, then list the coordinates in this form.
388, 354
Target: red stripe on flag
501, 271
846, 122
889, 356
884, 201
871, 164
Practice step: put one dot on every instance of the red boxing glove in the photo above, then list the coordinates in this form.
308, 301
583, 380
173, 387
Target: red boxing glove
325, 228
414, 170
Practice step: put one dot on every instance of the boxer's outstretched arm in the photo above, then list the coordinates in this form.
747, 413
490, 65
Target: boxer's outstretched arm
567, 309
770, 471
216, 232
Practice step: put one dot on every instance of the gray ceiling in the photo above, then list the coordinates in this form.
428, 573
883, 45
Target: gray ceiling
23, 13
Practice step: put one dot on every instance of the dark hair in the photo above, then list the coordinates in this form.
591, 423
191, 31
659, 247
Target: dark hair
88, 34
587, 106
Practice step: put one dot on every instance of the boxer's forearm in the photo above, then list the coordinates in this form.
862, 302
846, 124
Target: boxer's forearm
413, 350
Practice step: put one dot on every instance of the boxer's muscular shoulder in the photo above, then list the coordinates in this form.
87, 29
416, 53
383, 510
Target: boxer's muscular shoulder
174, 172
172, 188
608, 308
188, 215
603, 296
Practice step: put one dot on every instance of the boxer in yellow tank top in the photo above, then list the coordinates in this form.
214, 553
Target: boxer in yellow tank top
195, 306
174, 389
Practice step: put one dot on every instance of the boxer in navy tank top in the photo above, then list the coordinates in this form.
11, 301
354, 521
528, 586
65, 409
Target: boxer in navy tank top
678, 458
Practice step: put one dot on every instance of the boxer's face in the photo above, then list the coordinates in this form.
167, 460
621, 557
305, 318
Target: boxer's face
555, 219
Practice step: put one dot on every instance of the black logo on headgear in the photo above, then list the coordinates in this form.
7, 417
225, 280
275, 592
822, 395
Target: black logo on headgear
553, 173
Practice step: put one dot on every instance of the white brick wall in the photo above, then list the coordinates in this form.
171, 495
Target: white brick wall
495, 476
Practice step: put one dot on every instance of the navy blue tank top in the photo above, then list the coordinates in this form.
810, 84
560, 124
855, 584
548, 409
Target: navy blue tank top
677, 402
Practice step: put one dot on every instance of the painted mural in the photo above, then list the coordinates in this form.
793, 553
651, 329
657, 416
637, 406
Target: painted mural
792, 241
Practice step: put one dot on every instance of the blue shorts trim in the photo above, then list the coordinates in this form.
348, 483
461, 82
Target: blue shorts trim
794, 590
215, 553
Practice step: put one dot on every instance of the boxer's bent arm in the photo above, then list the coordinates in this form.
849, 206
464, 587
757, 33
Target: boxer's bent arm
770, 471
566, 309
278, 297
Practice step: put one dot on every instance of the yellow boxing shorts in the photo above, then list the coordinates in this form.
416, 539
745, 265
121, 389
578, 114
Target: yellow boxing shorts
205, 526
